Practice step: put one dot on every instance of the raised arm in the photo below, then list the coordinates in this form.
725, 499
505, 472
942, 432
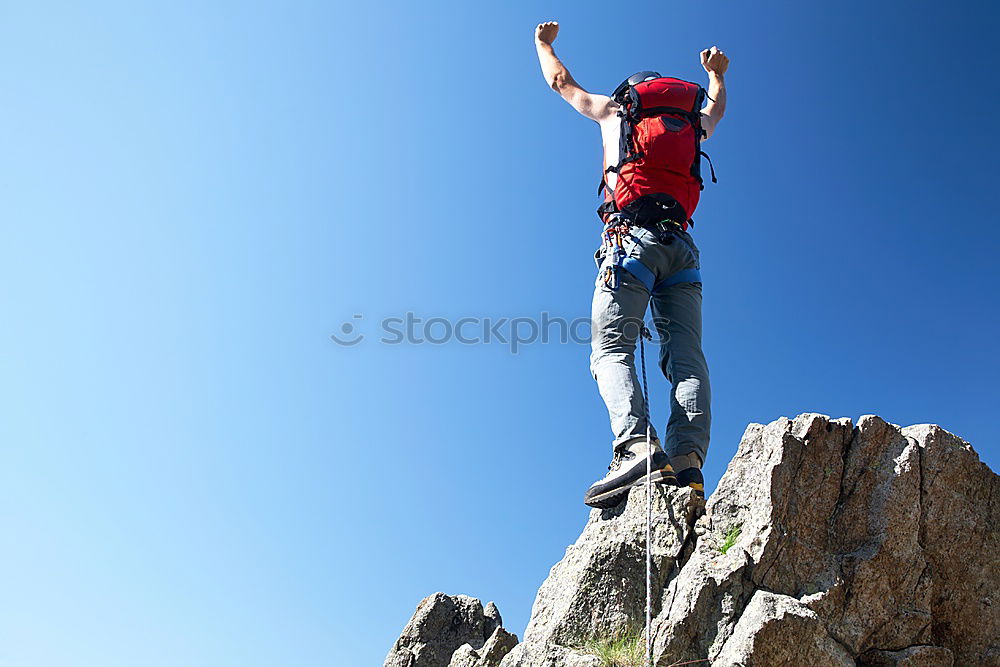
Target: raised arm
595, 107
715, 63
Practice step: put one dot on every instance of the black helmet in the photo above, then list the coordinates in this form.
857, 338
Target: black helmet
636, 78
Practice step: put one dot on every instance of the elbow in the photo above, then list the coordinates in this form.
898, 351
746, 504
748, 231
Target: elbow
557, 81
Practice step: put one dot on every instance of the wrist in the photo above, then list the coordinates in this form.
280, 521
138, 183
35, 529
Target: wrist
712, 74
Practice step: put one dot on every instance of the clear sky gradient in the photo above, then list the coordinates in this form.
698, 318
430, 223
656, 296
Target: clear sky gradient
195, 196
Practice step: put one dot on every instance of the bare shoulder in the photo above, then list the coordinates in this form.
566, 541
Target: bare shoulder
605, 109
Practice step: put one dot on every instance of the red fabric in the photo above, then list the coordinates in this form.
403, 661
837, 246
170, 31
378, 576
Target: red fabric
668, 92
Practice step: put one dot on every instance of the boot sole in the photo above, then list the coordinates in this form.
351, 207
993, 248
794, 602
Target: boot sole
614, 496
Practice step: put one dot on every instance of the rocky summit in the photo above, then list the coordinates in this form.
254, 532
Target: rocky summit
825, 543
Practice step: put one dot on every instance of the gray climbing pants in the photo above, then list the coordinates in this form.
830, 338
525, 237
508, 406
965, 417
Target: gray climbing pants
616, 322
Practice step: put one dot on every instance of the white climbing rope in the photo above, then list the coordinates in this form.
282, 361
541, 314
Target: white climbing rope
649, 499
649, 551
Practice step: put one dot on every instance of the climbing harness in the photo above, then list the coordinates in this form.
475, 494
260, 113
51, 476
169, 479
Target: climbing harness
643, 336
617, 232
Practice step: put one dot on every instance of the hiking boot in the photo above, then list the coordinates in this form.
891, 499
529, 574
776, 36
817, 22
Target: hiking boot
628, 469
693, 478
688, 469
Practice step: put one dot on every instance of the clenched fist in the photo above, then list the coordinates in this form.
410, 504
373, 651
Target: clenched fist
546, 32
714, 61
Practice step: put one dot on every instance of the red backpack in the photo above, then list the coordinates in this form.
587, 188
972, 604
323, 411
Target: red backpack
659, 161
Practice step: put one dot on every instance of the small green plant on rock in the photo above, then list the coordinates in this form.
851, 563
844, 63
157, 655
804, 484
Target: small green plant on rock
626, 648
732, 535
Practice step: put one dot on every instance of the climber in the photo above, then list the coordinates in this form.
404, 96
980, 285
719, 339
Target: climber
652, 128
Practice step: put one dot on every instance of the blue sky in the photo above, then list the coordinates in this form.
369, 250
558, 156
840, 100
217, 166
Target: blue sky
196, 197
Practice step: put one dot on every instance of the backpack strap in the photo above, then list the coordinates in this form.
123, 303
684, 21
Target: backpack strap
604, 179
710, 165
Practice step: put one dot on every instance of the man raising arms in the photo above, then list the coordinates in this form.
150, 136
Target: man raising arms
651, 130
